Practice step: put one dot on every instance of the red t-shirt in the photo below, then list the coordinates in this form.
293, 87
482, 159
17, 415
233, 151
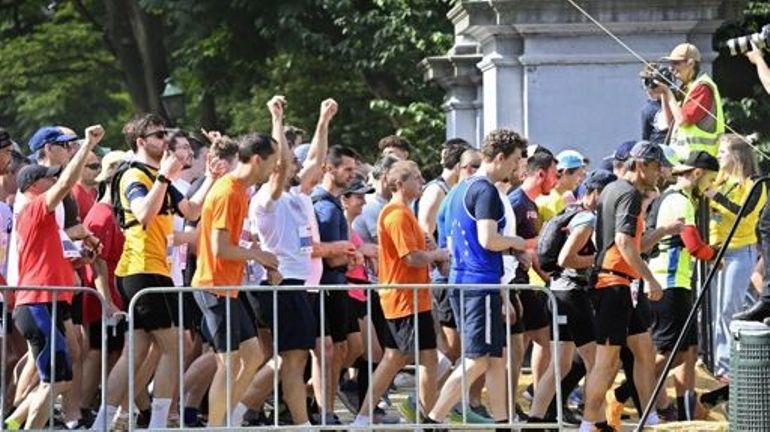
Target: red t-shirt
41, 256
697, 106
85, 198
101, 222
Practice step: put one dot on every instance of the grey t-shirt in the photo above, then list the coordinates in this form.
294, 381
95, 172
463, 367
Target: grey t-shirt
568, 278
366, 223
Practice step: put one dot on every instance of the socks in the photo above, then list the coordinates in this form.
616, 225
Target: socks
444, 366
159, 418
109, 413
236, 419
653, 419
361, 420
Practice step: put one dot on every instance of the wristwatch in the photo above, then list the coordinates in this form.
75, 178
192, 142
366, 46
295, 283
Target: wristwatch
163, 179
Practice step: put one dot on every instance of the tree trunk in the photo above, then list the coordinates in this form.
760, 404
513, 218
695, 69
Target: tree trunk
148, 34
121, 34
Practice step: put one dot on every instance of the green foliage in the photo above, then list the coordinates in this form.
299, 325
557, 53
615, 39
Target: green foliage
56, 71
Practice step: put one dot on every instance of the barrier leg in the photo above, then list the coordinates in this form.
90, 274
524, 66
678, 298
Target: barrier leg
3, 360
508, 354
52, 398
228, 364
275, 357
462, 354
369, 390
322, 304
417, 404
180, 341
103, 355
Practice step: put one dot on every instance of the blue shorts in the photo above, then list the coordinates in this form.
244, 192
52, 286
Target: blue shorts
483, 328
34, 323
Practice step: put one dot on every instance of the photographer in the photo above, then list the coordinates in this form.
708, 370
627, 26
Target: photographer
756, 56
655, 121
699, 120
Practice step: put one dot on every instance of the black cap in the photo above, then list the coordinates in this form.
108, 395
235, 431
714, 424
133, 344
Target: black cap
598, 179
5, 138
358, 186
647, 151
698, 159
32, 173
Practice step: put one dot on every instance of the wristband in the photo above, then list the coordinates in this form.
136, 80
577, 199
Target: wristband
163, 179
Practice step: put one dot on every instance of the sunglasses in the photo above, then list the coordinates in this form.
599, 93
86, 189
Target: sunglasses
66, 144
160, 134
93, 166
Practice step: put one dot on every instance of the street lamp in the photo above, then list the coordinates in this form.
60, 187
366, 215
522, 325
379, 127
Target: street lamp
173, 100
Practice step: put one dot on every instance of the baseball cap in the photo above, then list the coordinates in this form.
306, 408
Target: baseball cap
645, 150
598, 179
671, 155
622, 151
698, 159
301, 151
358, 186
32, 173
569, 159
109, 162
49, 134
683, 51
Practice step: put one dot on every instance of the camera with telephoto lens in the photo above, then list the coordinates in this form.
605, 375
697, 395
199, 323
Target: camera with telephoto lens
742, 44
656, 74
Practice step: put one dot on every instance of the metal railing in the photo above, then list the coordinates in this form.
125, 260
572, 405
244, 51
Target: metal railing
54, 312
324, 289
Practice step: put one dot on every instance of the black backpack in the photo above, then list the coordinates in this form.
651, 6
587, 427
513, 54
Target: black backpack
553, 236
117, 204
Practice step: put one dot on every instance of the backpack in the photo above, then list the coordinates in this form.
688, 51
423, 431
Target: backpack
553, 236
117, 204
651, 222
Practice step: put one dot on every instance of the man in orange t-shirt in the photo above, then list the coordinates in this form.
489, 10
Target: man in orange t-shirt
222, 260
404, 258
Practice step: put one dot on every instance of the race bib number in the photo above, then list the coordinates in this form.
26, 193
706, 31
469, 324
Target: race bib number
305, 239
170, 249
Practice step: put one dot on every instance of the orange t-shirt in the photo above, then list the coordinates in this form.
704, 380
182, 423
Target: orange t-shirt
399, 235
225, 208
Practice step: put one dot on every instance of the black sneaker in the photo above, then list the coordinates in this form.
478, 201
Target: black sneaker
758, 312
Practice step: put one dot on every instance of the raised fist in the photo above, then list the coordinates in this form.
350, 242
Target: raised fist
94, 134
328, 109
276, 105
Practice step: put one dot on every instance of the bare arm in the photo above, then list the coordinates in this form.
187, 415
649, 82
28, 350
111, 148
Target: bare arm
56, 193
490, 239
316, 154
757, 57
101, 279
191, 208
651, 238
147, 207
278, 177
421, 259
568, 256
429, 205
223, 249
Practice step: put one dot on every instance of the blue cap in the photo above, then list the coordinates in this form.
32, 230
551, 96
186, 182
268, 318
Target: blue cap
49, 134
569, 159
623, 150
300, 152
645, 150
606, 165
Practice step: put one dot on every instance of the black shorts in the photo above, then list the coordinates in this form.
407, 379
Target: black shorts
214, 309
116, 336
6, 322
338, 322
616, 317
442, 306
77, 308
402, 331
152, 311
576, 317
668, 317
534, 305
296, 320
517, 326
358, 308
192, 317
34, 323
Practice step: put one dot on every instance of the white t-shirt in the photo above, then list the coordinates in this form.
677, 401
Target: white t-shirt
316, 264
283, 229
509, 262
179, 253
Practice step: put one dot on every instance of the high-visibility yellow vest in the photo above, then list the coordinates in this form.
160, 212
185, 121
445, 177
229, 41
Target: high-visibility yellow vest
704, 135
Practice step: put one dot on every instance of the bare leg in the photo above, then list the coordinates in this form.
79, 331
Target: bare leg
293, 365
599, 381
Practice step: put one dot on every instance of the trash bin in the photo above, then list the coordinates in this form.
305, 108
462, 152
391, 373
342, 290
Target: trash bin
750, 376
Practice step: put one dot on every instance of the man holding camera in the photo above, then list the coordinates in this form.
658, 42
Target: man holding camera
699, 120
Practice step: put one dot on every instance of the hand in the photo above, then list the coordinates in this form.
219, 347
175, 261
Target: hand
276, 106
211, 135
93, 244
94, 135
674, 228
343, 247
524, 259
654, 291
328, 110
215, 167
430, 244
266, 259
755, 56
369, 250
440, 255
518, 243
356, 259
274, 277
710, 193
170, 166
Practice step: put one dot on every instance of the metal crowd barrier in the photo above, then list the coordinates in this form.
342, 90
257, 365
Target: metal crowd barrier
323, 289
54, 311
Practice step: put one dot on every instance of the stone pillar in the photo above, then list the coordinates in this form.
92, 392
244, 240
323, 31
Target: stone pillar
551, 73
